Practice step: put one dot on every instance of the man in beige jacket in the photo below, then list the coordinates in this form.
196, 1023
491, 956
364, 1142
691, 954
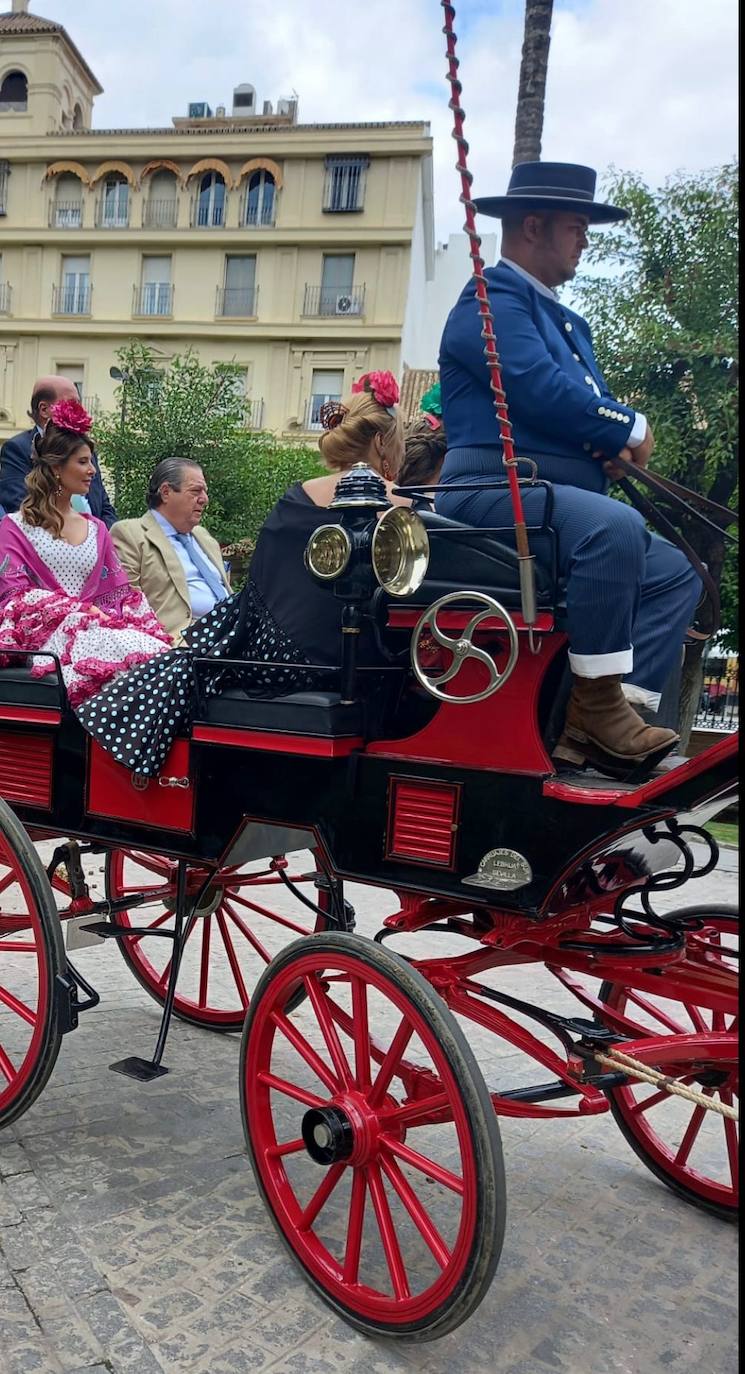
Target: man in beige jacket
176, 564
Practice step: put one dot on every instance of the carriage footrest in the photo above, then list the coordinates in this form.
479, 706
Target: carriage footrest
141, 1069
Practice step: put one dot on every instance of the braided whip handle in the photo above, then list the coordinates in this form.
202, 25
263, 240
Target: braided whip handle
487, 331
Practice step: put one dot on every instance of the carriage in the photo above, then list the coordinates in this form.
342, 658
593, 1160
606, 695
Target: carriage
373, 1072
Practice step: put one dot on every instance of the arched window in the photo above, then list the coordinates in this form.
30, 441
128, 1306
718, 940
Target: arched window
114, 203
67, 206
77, 118
14, 93
260, 199
211, 200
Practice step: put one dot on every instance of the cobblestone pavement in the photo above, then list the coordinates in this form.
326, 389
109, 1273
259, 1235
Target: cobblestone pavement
132, 1238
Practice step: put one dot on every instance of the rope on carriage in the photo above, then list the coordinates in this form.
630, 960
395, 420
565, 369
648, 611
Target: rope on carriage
634, 1068
509, 460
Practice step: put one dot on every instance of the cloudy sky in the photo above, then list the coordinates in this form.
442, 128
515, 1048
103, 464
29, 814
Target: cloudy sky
643, 85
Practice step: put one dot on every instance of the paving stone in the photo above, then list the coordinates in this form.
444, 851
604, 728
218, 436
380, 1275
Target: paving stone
133, 1239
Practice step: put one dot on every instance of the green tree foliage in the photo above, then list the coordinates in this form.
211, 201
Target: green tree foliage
191, 410
663, 309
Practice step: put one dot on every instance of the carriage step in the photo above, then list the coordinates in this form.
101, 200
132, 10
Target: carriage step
108, 930
143, 1070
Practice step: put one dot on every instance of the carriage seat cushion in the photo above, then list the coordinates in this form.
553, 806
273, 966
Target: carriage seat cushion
19, 688
463, 556
297, 713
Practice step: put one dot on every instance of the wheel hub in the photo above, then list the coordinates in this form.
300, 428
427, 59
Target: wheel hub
328, 1135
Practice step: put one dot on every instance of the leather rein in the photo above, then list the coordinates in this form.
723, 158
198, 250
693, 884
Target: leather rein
680, 501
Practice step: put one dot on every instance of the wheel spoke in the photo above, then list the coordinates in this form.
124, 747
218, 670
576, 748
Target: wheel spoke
7, 1066
692, 1130
423, 1222
699, 1023
151, 863
328, 1029
271, 915
421, 1112
290, 1147
391, 1061
731, 1137
306, 1051
159, 921
437, 1172
281, 1085
644, 1005
361, 1033
354, 1227
17, 947
321, 1196
15, 1004
232, 959
391, 1247
7, 881
662, 1096
246, 931
204, 963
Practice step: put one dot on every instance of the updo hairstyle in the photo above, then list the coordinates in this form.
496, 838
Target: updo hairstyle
424, 454
361, 418
49, 450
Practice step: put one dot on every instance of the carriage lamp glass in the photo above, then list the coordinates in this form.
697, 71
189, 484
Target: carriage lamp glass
328, 552
400, 551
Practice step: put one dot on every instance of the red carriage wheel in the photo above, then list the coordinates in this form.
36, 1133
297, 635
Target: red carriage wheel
372, 1137
31, 956
692, 1150
241, 922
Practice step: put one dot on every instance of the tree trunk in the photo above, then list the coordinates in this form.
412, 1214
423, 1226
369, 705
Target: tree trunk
531, 94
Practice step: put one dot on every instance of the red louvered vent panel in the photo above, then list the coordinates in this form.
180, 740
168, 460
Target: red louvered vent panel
26, 768
423, 821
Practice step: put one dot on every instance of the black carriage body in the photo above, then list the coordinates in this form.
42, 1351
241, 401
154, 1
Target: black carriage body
384, 811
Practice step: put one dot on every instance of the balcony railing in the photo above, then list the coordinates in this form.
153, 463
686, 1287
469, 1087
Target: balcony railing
237, 300
256, 413
209, 215
160, 214
154, 298
259, 217
72, 299
333, 300
313, 409
112, 215
5, 297
65, 214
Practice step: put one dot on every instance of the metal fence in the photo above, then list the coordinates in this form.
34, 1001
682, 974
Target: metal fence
5, 297
718, 707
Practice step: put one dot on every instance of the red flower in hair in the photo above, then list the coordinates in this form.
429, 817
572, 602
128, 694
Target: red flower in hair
70, 415
382, 385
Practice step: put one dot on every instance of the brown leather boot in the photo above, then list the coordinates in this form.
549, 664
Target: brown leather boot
600, 721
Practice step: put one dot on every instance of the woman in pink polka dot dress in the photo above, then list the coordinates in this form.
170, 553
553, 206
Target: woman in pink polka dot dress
62, 587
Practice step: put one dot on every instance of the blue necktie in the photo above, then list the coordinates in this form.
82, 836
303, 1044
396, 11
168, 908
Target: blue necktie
207, 571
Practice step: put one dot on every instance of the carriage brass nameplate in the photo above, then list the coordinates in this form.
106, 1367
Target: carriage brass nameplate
502, 869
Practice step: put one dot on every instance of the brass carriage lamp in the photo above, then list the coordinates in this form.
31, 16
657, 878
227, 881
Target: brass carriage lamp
363, 548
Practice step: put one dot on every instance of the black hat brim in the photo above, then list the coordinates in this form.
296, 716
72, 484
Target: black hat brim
595, 211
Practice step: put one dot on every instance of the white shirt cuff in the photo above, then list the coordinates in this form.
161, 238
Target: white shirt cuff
638, 432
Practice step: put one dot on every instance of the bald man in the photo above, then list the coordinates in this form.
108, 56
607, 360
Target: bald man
15, 454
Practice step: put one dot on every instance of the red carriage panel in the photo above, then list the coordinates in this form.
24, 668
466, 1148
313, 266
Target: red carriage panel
165, 802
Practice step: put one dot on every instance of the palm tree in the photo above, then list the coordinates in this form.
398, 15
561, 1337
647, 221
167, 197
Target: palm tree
531, 95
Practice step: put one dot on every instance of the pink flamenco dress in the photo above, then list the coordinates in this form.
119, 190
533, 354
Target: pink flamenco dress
73, 601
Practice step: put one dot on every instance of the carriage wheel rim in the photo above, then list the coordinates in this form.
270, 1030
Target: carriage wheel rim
631, 1100
218, 924
367, 1158
15, 1085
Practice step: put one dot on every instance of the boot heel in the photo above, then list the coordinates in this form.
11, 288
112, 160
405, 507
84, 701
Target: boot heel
566, 752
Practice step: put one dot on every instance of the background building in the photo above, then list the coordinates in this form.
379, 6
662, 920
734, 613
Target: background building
438, 293
290, 249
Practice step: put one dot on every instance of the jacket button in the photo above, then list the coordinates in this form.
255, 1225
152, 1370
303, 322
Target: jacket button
588, 380
567, 326
587, 447
576, 357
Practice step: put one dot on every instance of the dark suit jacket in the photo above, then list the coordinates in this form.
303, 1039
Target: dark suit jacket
559, 402
15, 465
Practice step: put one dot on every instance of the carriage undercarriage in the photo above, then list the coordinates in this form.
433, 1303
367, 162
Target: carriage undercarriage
373, 1070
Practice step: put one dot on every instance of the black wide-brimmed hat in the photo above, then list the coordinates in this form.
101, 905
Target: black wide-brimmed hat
551, 186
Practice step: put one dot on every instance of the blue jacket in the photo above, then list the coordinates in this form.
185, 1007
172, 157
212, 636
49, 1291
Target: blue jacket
15, 465
558, 400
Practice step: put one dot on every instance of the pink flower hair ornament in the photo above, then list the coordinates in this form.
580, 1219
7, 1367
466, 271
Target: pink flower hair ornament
71, 416
382, 386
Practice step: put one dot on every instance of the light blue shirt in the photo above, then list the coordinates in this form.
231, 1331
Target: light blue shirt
201, 595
